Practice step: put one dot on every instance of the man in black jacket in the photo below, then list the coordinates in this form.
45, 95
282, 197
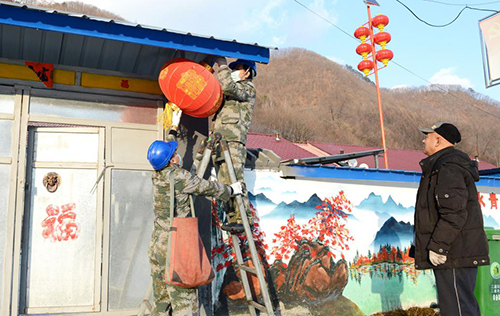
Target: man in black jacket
449, 233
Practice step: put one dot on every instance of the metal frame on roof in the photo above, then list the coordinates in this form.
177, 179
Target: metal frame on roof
336, 158
42, 35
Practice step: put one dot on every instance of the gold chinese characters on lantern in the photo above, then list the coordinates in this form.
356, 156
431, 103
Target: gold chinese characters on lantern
191, 86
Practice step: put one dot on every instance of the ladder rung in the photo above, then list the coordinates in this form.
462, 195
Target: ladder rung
248, 269
258, 306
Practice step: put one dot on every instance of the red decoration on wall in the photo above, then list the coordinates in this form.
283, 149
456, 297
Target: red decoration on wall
191, 86
480, 199
125, 84
43, 72
60, 224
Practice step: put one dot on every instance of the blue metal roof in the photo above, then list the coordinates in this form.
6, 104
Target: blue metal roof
345, 173
42, 35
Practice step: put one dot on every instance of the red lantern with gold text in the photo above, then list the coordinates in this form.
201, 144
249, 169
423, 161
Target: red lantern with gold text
380, 21
362, 33
382, 38
364, 49
365, 66
191, 86
175, 60
384, 55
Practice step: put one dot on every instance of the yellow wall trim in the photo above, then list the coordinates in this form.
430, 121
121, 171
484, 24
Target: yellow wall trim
88, 80
63, 77
22, 72
120, 83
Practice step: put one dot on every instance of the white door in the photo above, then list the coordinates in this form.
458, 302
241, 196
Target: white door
61, 265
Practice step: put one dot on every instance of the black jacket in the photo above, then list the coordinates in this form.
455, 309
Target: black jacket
448, 217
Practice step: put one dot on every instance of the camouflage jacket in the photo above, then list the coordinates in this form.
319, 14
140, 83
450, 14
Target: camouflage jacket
234, 117
184, 184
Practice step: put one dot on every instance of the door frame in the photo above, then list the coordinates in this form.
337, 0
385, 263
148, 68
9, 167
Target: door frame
15, 117
24, 118
27, 232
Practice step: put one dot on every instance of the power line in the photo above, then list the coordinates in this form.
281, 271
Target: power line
462, 4
394, 62
443, 25
433, 25
324, 19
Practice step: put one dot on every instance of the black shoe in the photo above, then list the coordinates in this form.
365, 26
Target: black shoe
233, 228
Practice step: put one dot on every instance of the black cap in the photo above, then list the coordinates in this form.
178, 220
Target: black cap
447, 130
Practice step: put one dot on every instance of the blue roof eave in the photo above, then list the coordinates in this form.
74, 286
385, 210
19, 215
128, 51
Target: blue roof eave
63, 23
345, 173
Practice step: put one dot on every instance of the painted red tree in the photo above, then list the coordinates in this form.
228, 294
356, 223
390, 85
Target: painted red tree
327, 227
225, 247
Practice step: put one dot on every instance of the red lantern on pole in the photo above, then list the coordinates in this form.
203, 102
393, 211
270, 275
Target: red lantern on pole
382, 38
365, 66
380, 21
384, 55
362, 33
192, 87
364, 49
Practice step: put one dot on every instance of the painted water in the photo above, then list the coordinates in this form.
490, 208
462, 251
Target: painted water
389, 286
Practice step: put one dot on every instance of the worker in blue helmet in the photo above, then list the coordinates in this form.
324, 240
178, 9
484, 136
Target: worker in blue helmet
232, 121
167, 162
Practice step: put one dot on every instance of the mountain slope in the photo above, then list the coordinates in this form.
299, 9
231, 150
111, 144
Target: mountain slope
306, 97
394, 233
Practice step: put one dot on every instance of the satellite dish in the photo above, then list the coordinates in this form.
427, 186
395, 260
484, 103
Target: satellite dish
352, 163
364, 166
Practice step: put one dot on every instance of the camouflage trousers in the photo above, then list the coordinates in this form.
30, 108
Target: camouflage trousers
238, 156
169, 299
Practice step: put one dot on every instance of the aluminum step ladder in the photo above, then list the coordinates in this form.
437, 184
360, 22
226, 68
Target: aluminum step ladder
200, 164
199, 167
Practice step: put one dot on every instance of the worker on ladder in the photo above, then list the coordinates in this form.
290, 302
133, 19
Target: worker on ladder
232, 121
167, 163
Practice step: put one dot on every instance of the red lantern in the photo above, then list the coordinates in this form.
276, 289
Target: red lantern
363, 49
380, 21
362, 33
382, 38
384, 55
365, 66
175, 60
191, 86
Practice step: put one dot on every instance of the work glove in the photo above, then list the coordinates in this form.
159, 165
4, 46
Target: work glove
436, 259
176, 117
237, 188
221, 61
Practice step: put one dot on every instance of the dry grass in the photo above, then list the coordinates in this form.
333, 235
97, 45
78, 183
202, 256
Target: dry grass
72, 6
413, 311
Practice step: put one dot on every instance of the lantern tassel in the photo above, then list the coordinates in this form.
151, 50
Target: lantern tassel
166, 116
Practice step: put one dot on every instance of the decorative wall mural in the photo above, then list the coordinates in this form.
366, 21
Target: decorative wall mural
330, 248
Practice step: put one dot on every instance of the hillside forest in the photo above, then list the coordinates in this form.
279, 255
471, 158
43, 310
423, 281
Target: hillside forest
307, 97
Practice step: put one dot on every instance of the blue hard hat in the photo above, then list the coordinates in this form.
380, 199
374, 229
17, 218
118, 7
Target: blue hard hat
160, 152
244, 62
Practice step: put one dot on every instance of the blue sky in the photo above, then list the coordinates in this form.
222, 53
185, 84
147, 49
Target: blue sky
448, 55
